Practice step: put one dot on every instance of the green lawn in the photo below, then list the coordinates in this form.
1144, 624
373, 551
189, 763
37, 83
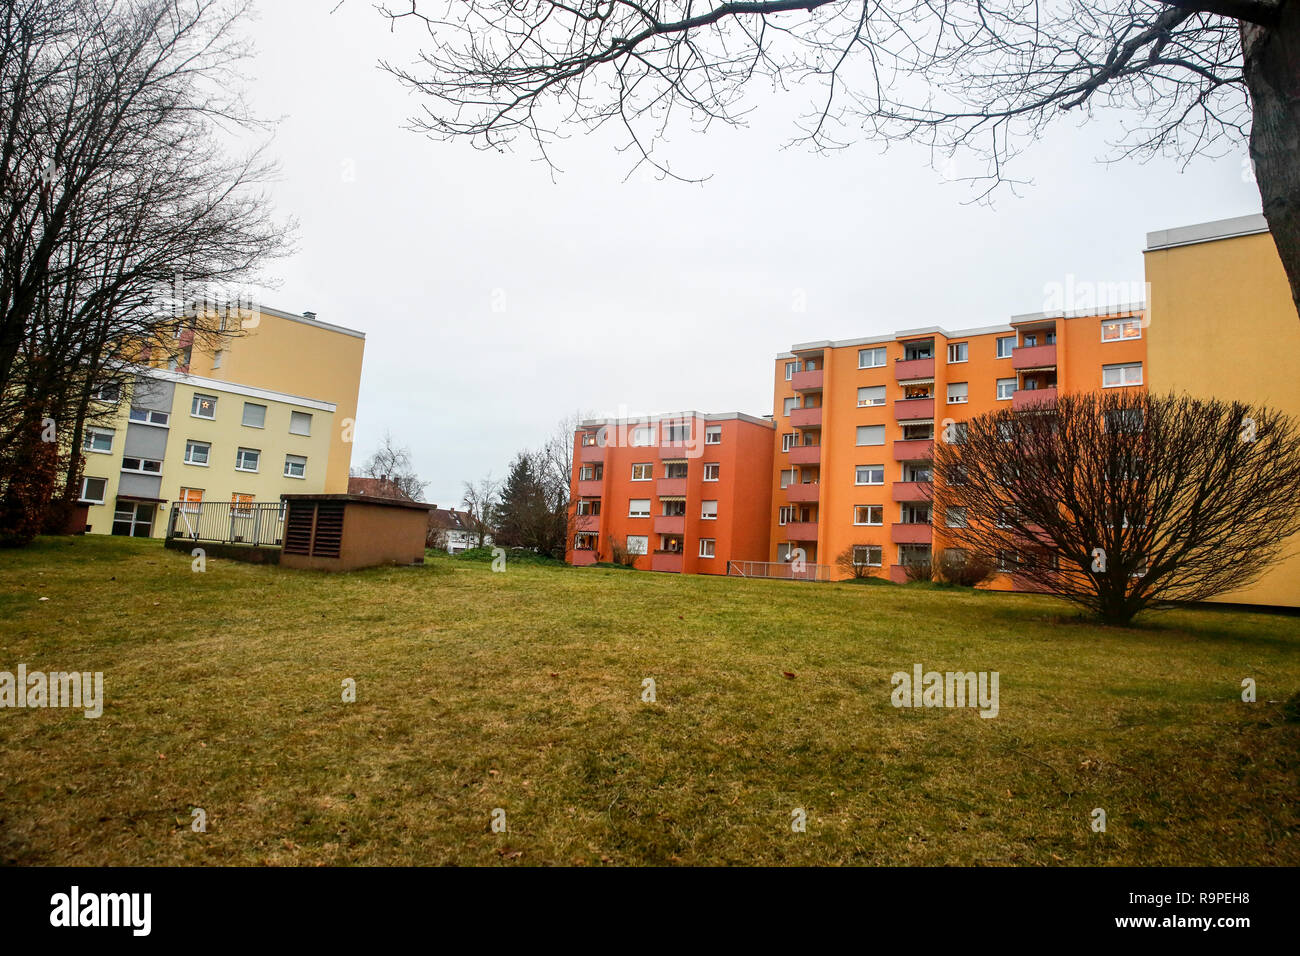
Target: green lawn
522, 691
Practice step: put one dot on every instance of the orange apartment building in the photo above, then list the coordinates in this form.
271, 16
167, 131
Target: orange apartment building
857, 421
686, 493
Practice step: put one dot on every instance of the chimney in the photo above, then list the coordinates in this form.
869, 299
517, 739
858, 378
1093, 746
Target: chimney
309, 315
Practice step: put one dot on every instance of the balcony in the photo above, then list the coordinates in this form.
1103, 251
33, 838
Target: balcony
586, 523
805, 454
804, 492
592, 488
670, 524
1035, 356
670, 487
1025, 399
580, 559
806, 417
911, 533
920, 450
801, 531
666, 561
913, 490
907, 369
592, 454
807, 381
914, 409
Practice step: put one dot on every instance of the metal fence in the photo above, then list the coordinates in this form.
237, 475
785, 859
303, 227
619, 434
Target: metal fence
782, 570
255, 523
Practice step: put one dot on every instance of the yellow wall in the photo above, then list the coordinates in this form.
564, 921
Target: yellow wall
287, 353
1223, 325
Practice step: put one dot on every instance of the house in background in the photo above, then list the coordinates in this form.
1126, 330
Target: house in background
381, 487
454, 531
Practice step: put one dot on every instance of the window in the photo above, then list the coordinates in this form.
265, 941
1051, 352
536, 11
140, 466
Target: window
867, 555
589, 507
1006, 386
217, 358
246, 459
254, 415
709, 510
98, 440
299, 423
643, 471
707, 547
1005, 344
954, 433
196, 452
147, 416
677, 432
787, 477
870, 475
1124, 420
957, 352
674, 507
1028, 340
785, 514
790, 369
588, 440
789, 405
145, 466
638, 544
787, 440
241, 505
1008, 561
189, 500
109, 392
642, 436
711, 471
1118, 376
675, 469
915, 514
591, 473
92, 490
295, 466
1006, 431
871, 358
871, 434
1117, 330
713, 435
955, 516
203, 406
957, 392
871, 395
638, 508
869, 514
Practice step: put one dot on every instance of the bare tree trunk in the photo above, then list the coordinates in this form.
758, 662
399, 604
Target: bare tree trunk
1272, 71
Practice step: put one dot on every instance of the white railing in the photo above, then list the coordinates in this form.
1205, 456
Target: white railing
782, 570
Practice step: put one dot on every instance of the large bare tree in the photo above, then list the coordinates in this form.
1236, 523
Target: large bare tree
1190, 76
1120, 501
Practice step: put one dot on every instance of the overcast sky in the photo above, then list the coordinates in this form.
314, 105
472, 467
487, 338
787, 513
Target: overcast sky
497, 298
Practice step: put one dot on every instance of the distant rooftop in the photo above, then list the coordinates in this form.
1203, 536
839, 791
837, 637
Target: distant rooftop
678, 417
1206, 232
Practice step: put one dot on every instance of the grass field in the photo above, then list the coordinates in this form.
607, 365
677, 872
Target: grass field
521, 691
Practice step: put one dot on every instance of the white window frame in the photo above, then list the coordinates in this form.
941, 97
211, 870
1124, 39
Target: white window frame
102, 494
858, 433
708, 548
149, 416
1123, 368
87, 440
296, 415
961, 399
873, 352
873, 389
879, 511
1121, 324
239, 456
705, 514
958, 348
784, 515
140, 469
1010, 345
712, 470
195, 401
635, 512
190, 443
244, 417
645, 469
713, 435
641, 546
1002, 383
857, 474
957, 512
294, 459
790, 369
868, 563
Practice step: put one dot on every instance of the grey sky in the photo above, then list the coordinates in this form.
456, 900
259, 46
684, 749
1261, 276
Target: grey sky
657, 295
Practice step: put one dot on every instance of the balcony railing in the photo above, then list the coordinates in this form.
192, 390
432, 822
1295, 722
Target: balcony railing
806, 417
592, 454
921, 449
670, 524
783, 570
586, 523
670, 486
805, 492
666, 561
913, 490
801, 530
1023, 399
911, 533
669, 451
580, 559
810, 381
913, 409
906, 369
1034, 356
805, 454
591, 488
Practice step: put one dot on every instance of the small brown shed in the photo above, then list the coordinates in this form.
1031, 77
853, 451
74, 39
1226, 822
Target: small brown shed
345, 532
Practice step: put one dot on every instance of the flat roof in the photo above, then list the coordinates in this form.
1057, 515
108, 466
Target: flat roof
1251, 225
219, 385
361, 499
677, 417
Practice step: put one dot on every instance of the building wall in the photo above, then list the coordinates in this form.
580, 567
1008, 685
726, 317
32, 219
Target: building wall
1223, 325
299, 356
